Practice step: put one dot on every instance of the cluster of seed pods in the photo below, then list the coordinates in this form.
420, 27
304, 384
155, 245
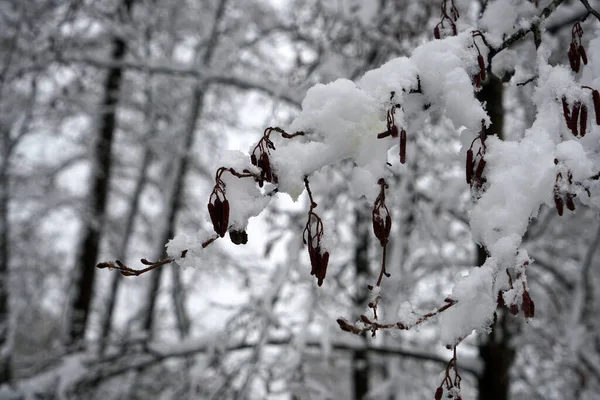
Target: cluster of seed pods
392, 130
261, 152
526, 304
451, 381
448, 20
475, 164
563, 198
482, 75
312, 236
576, 116
576, 52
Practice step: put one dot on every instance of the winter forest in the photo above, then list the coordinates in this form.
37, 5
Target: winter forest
304, 199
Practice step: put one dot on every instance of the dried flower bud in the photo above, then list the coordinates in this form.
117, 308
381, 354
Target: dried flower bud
469, 166
567, 112
365, 319
253, 159
583, 120
394, 131
572, 55
558, 202
479, 170
527, 305
575, 117
402, 146
439, 392
596, 98
583, 55
569, 201
436, 32
238, 236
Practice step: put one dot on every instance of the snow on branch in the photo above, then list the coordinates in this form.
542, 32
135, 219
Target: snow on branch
361, 121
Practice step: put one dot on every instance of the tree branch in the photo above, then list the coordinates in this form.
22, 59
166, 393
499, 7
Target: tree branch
590, 9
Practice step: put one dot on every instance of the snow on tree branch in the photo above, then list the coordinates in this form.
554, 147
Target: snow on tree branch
361, 121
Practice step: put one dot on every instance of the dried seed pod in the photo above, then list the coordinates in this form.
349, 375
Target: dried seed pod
439, 392
577, 60
478, 81
558, 202
583, 55
569, 201
573, 57
365, 319
253, 159
583, 120
596, 98
479, 170
224, 218
500, 300
238, 236
527, 305
436, 32
575, 117
567, 112
323, 269
402, 146
481, 63
514, 309
394, 131
469, 166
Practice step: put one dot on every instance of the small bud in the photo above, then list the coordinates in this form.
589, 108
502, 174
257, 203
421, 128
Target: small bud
365, 319
238, 236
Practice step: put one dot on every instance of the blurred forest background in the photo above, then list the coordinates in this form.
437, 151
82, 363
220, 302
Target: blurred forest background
113, 114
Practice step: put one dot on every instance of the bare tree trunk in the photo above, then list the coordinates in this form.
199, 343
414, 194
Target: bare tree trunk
176, 192
360, 359
5, 356
495, 350
87, 252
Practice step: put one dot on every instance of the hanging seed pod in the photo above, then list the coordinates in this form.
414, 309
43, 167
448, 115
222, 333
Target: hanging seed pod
575, 117
577, 60
481, 63
439, 392
478, 81
323, 269
436, 32
479, 170
500, 300
224, 218
567, 112
573, 56
583, 55
569, 202
558, 202
394, 131
402, 146
583, 120
527, 305
469, 166
596, 99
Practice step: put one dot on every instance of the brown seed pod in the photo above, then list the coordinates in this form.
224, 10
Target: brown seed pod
569, 202
479, 170
402, 146
469, 166
394, 131
439, 392
478, 81
575, 117
558, 202
253, 159
527, 305
583, 55
567, 112
224, 218
573, 56
583, 120
436, 32
596, 98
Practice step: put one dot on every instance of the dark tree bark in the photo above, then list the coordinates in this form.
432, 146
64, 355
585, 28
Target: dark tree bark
495, 350
5, 356
87, 252
360, 358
